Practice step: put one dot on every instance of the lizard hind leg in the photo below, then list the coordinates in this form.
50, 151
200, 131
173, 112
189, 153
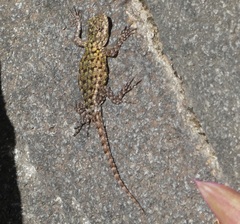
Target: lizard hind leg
84, 118
118, 98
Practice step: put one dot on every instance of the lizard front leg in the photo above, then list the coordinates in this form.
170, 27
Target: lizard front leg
77, 21
112, 51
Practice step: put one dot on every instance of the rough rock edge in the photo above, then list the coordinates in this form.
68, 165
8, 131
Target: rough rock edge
139, 13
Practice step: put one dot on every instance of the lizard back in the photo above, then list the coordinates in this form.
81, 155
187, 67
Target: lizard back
93, 70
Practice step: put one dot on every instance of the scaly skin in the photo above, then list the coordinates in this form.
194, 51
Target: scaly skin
92, 80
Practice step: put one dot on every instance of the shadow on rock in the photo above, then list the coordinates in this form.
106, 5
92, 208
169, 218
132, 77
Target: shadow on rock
10, 199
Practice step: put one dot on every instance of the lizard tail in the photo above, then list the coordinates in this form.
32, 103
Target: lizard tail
107, 151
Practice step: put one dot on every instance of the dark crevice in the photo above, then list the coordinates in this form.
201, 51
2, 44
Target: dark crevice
10, 200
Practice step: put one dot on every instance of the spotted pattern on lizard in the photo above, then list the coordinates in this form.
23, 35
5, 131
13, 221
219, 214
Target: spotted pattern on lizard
92, 80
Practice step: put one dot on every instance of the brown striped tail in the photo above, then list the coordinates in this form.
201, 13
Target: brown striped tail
107, 151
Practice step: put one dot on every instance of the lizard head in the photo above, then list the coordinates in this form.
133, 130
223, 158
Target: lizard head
98, 29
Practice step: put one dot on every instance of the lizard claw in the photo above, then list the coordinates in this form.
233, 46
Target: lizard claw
75, 12
127, 32
76, 16
77, 128
128, 87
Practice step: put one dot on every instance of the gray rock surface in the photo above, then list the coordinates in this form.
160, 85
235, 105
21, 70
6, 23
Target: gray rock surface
203, 41
157, 141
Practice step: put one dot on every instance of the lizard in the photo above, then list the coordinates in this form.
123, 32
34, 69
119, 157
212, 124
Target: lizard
92, 81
